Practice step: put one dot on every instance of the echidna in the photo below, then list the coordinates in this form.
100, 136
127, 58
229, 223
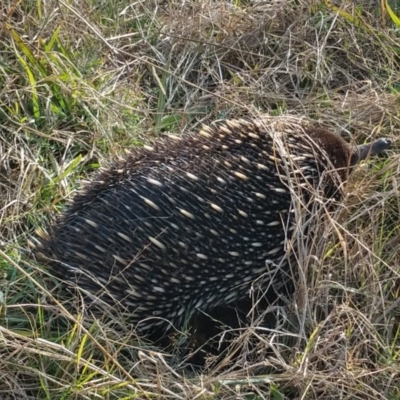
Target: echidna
189, 224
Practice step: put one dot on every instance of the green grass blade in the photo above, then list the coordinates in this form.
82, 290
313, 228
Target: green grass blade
392, 14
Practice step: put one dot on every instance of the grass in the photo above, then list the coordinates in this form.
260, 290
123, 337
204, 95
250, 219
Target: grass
81, 81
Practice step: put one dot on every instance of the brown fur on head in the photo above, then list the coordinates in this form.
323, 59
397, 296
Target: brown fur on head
341, 154
338, 150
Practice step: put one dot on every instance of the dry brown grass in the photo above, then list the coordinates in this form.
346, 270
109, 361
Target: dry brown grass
82, 80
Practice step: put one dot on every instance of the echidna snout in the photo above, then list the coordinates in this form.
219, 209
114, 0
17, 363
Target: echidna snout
374, 148
190, 224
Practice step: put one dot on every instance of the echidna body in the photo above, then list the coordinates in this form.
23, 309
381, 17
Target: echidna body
191, 223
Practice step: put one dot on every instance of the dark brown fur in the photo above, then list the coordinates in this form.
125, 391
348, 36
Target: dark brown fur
340, 152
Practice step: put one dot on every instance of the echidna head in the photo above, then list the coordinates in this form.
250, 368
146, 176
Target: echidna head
362, 151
